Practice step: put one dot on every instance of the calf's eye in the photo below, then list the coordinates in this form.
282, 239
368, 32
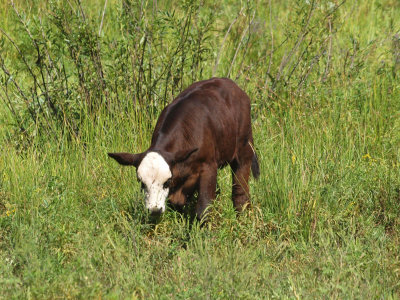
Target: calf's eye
167, 184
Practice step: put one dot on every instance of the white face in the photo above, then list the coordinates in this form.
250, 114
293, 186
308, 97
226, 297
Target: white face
154, 172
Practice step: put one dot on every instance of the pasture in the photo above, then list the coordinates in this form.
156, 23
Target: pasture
79, 79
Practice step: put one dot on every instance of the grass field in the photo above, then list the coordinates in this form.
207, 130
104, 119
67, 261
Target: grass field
323, 77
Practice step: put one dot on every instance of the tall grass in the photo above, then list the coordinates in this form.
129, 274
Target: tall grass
323, 79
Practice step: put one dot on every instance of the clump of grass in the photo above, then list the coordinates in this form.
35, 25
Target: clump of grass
71, 68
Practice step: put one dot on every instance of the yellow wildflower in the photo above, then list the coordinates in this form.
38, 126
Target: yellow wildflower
367, 156
10, 212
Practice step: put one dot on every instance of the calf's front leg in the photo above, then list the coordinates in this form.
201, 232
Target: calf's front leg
207, 190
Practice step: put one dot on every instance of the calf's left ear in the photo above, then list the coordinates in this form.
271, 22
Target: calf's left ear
127, 159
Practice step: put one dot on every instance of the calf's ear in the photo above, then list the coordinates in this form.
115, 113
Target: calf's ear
127, 159
183, 155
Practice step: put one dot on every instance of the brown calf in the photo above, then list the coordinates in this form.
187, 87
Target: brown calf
205, 128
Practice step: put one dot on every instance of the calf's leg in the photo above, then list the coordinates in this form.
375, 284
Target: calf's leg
207, 190
240, 178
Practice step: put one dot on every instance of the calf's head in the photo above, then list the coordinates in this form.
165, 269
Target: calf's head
154, 172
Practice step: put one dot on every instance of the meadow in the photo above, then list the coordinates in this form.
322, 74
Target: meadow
79, 79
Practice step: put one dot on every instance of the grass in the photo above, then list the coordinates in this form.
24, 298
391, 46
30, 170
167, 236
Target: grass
325, 214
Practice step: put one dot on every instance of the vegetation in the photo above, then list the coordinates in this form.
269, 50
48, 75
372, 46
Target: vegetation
79, 79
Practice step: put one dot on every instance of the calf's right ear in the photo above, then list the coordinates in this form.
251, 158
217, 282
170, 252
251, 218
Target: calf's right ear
127, 159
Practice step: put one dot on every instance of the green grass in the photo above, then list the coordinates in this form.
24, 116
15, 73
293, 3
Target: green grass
325, 214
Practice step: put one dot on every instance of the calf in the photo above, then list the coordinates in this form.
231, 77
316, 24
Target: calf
205, 128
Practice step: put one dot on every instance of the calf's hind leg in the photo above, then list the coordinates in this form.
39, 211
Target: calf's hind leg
240, 178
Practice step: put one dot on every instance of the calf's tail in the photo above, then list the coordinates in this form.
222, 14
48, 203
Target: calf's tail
255, 167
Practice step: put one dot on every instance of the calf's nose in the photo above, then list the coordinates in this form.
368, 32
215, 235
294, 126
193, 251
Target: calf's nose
156, 211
